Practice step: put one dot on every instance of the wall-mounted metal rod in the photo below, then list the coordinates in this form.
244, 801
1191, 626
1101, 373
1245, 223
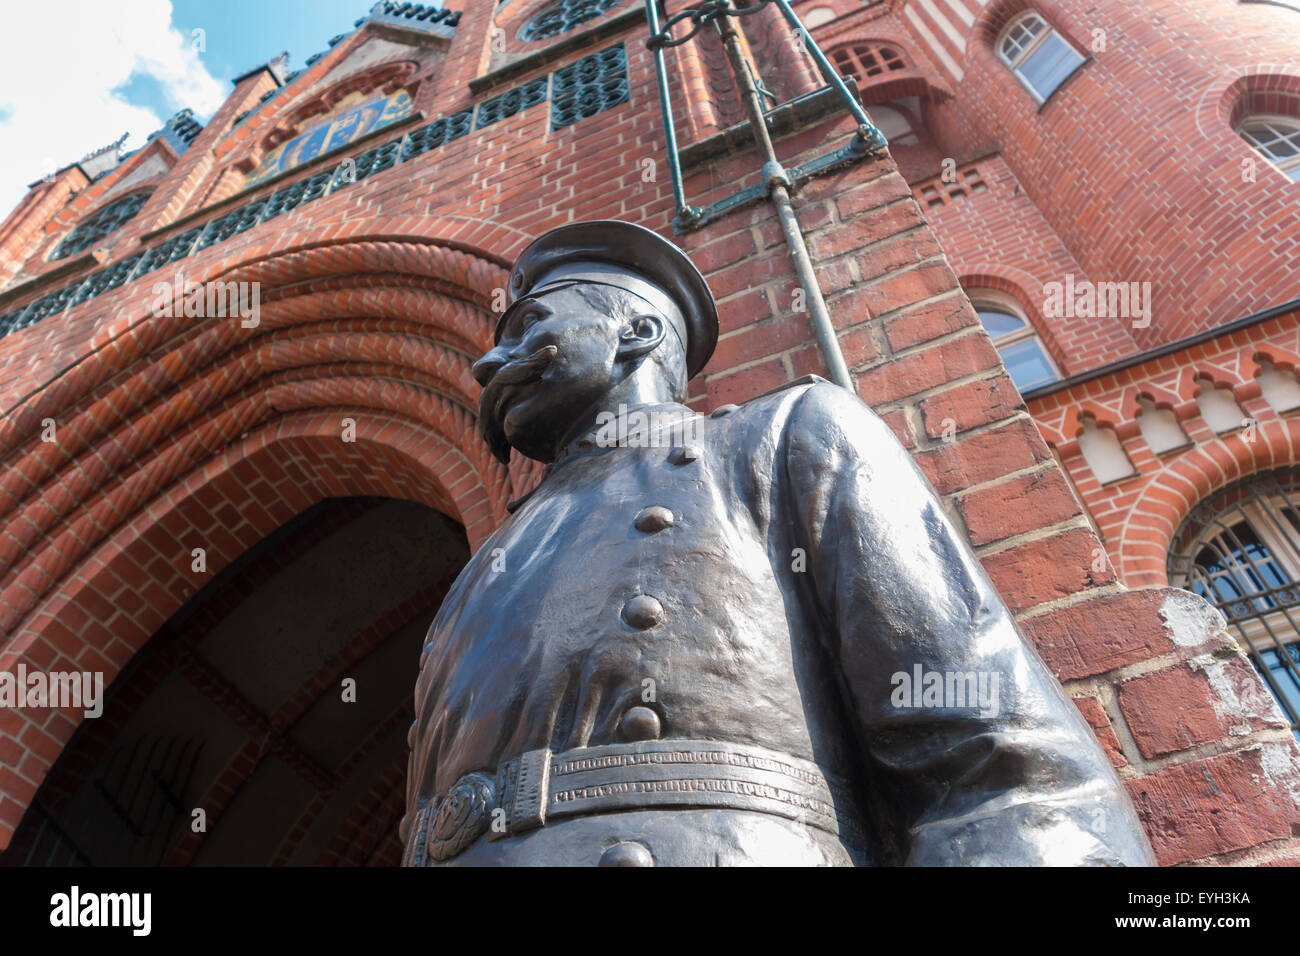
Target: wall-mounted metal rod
665, 106
866, 129
778, 184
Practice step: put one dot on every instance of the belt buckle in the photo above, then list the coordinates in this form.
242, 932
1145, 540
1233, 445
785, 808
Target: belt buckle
460, 816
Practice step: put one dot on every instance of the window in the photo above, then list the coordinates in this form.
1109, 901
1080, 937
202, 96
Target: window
1240, 550
563, 16
102, 223
1039, 56
1277, 138
863, 61
894, 124
1022, 352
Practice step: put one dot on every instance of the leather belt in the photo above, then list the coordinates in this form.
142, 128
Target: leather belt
533, 789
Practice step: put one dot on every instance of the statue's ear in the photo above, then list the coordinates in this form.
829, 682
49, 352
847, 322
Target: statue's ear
640, 335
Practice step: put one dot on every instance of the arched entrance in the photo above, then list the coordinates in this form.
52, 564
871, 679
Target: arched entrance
275, 703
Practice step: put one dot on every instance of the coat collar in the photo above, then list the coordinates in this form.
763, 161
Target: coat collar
653, 425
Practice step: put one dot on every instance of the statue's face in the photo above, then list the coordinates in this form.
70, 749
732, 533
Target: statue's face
556, 359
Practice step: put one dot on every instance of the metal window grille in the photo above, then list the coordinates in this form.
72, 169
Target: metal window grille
1240, 550
591, 85
102, 223
559, 18
512, 101
232, 223
170, 251
291, 197
437, 133
863, 61
584, 96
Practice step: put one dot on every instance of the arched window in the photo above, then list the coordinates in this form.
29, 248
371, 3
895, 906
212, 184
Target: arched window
1240, 550
863, 61
562, 16
1277, 138
1022, 351
1039, 56
102, 223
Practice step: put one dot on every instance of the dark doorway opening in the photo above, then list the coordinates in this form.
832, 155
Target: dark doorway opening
276, 702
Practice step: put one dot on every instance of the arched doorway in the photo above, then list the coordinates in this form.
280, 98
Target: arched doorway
179, 434
275, 702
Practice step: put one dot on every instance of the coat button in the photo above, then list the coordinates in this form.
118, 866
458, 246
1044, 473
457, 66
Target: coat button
627, 853
653, 519
685, 455
643, 612
640, 723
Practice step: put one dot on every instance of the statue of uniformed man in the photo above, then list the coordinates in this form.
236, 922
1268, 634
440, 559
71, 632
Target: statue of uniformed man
747, 637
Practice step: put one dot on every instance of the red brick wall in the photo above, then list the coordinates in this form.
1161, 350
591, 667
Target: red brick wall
998, 239
1138, 147
183, 433
1132, 171
1139, 515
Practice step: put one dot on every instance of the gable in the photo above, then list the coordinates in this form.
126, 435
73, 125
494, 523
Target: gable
373, 50
372, 85
358, 114
153, 165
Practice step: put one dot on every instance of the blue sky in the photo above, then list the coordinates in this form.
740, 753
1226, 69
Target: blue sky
240, 34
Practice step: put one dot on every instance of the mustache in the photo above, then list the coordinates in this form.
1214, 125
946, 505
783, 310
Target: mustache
521, 371
526, 369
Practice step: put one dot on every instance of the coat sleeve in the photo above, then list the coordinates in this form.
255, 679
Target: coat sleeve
976, 746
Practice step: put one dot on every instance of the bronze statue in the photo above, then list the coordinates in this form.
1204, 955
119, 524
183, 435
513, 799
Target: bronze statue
751, 637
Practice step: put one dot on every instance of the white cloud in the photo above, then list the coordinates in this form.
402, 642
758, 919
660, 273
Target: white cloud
58, 77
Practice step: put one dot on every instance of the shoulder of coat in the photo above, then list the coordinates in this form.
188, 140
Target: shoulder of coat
787, 389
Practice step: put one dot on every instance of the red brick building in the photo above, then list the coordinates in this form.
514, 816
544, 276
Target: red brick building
239, 459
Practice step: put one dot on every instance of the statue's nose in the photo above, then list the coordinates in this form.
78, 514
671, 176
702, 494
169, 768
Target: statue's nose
487, 366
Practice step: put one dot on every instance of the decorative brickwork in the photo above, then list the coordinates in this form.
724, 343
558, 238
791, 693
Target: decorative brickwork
377, 293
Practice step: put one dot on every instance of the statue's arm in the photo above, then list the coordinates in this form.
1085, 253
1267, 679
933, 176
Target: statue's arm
1014, 776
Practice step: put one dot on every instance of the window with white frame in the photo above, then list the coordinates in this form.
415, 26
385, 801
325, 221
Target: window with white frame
1277, 138
1022, 351
1039, 56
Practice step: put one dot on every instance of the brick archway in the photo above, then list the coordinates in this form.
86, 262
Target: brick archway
189, 433
1169, 496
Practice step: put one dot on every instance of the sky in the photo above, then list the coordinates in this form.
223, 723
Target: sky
109, 67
